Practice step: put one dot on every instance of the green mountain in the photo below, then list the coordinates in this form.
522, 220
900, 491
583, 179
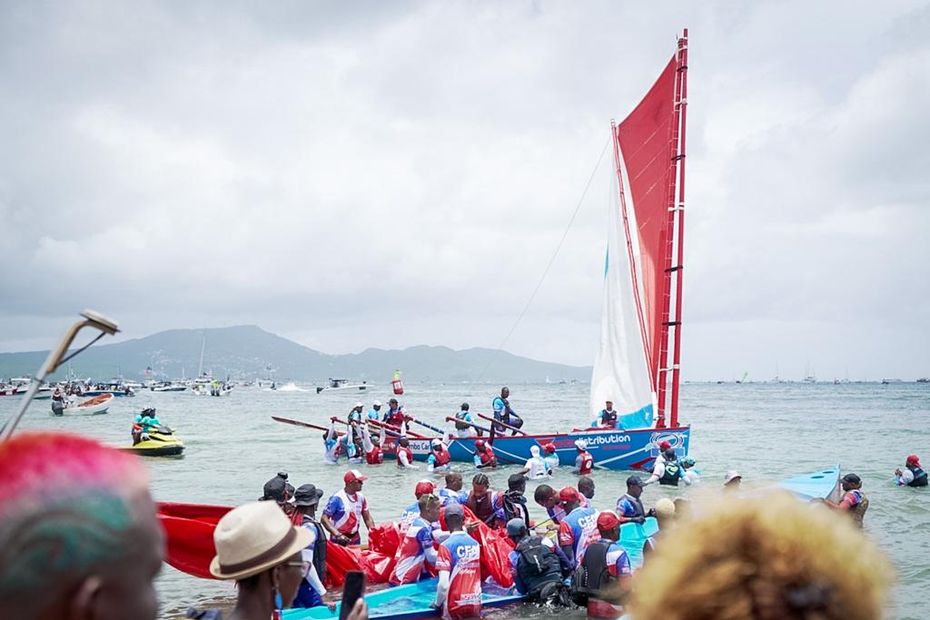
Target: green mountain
248, 352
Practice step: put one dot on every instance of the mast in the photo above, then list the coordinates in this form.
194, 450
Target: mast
681, 110
203, 345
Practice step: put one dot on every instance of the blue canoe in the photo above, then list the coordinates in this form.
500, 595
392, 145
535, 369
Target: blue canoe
617, 450
824, 484
405, 602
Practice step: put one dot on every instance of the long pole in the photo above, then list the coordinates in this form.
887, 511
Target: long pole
506, 426
681, 110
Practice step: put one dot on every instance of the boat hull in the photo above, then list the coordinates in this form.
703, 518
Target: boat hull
611, 449
824, 484
157, 446
405, 602
94, 406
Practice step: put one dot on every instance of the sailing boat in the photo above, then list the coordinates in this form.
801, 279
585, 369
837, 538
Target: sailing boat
637, 365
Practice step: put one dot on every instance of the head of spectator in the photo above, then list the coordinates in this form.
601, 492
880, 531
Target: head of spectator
586, 486
454, 481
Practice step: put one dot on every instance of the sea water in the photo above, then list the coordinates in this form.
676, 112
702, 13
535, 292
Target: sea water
765, 431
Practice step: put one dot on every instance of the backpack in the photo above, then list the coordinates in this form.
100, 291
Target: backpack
533, 555
515, 507
591, 574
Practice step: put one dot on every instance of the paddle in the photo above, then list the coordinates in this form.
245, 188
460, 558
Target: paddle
496, 421
472, 424
304, 424
425, 425
396, 430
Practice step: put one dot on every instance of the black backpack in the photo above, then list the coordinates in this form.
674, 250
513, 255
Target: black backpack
591, 575
534, 556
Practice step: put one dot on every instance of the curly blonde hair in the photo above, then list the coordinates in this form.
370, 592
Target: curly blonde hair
762, 559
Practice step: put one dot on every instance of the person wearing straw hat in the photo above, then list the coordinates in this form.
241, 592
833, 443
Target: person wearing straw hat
259, 549
312, 590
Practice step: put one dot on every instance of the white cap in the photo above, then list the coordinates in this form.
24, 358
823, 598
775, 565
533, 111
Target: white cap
730, 476
581, 444
377, 403
359, 404
436, 442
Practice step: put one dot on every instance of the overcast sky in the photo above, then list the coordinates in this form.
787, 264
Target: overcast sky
354, 174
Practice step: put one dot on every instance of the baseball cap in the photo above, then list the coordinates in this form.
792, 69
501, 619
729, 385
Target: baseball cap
664, 445
436, 443
913, 459
479, 443
424, 487
454, 509
568, 494
634, 481
359, 404
307, 495
377, 403
581, 444
607, 520
354, 475
516, 527
549, 448
853, 478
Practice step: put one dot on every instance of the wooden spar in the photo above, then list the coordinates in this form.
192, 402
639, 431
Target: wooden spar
473, 425
495, 421
304, 424
394, 429
425, 425
681, 112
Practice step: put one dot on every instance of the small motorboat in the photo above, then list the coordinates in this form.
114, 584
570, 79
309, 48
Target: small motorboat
406, 602
158, 443
342, 384
168, 387
92, 406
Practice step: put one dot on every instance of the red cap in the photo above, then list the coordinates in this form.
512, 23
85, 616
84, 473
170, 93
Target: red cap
664, 445
354, 475
424, 487
568, 494
549, 447
912, 459
607, 521
479, 443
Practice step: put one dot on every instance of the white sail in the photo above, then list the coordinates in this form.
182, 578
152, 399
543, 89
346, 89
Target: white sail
621, 372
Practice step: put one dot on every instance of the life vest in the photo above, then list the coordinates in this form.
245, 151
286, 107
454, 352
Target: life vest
514, 507
920, 477
609, 418
482, 508
592, 573
537, 565
587, 463
394, 417
460, 424
487, 457
442, 457
374, 456
672, 474
406, 451
319, 547
858, 513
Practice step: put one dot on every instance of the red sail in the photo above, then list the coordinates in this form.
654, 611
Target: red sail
648, 146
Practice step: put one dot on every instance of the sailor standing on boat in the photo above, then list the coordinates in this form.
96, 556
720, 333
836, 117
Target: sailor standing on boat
607, 418
356, 414
375, 412
464, 423
395, 415
503, 413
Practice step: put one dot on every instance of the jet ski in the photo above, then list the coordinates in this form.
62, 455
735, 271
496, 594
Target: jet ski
161, 442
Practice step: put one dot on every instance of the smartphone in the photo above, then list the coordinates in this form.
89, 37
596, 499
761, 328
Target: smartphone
352, 591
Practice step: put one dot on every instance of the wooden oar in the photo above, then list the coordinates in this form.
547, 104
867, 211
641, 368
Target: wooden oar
396, 430
472, 424
425, 425
496, 421
301, 423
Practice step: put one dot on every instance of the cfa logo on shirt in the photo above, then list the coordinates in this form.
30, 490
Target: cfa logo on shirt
588, 522
467, 552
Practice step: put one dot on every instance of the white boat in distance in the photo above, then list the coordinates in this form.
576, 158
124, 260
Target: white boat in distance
92, 406
342, 384
168, 387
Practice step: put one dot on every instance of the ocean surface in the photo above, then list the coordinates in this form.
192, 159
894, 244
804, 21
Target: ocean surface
765, 431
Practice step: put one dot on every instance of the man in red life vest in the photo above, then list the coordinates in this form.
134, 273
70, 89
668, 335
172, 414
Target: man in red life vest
484, 456
439, 457
372, 445
405, 454
481, 500
584, 462
395, 415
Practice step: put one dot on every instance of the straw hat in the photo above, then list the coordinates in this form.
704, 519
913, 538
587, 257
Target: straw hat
252, 538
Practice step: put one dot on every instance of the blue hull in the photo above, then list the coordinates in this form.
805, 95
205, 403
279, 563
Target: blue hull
611, 449
823, 484
405, 603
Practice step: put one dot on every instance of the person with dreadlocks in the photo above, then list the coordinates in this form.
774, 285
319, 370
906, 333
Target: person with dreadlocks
481, 500
78, 533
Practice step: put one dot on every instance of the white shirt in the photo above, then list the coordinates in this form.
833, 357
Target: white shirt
537, 468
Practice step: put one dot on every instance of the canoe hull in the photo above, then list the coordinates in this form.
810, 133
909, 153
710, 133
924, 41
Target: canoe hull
612, 449
824, 484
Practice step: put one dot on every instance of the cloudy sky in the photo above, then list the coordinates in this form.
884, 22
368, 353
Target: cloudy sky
397, 173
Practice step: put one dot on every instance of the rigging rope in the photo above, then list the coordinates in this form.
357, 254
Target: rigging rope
545, 272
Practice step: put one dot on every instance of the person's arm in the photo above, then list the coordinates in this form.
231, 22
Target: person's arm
579, 461
310, 573
904, 477
514, 558
366, 517
431, 462
402, 457
566, 538
442, 590
657, 472
334, 534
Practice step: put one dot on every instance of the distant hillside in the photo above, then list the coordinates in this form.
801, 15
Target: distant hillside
248, 352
